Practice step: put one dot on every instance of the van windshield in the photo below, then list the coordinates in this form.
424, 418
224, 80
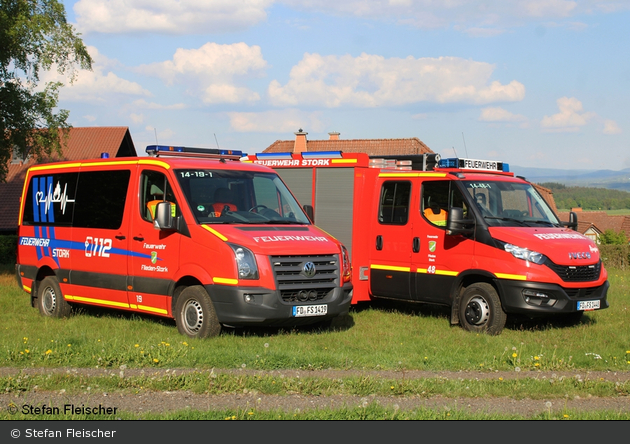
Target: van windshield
510, 204
228, 196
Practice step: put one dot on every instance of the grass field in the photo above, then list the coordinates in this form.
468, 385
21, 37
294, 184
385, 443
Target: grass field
376, 337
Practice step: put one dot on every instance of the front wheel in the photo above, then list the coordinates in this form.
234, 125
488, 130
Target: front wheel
50, 300
195, 315
480, 310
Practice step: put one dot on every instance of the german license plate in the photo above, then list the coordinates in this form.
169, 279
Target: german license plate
300, 311
588, 305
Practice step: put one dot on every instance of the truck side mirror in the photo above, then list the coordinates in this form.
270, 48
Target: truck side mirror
573, 221
456, 224
165, 216
308, 209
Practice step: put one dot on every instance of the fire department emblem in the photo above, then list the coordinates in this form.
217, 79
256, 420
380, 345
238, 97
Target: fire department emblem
154, 257
432, 245
309, 269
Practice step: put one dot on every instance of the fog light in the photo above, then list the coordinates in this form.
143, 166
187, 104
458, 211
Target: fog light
251, 299
537, 298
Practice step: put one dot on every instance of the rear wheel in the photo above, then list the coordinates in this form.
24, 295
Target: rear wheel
50, 300
195, 315
480, 309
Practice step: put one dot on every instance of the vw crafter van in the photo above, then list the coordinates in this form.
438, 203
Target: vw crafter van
188, 233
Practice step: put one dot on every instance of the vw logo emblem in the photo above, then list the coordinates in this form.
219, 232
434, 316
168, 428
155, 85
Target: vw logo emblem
309, 269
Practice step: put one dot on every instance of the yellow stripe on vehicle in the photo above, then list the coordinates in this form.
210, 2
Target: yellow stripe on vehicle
439, 272
343, 160
54, 167
412, 175
389, 268
516, 277
215, 232
96, 301
27, 289
227, 281
152, 309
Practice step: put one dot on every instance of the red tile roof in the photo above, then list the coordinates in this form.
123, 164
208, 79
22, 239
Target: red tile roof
373, 147
83, 143
602, 220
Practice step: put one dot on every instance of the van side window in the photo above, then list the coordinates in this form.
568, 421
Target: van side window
394, 204
437, 198
100, 199
50, 200
154, 188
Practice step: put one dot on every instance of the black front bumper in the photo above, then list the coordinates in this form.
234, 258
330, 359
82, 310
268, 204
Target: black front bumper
514, 297
267, 307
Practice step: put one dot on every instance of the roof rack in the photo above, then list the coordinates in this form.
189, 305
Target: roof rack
183, 151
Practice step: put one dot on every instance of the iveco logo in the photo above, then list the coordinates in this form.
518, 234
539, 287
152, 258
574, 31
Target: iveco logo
309, 269
581, 255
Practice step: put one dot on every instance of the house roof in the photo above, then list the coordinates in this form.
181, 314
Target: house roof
601, 220
373, 147
83, 143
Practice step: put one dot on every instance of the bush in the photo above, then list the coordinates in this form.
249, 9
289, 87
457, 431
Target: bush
8, 249
615, 256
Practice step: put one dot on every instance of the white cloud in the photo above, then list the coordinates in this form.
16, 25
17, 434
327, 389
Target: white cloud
89, 118
611, 127
212, 71
498, 114
97, 85
143, 104
168, 16
278, 121
136, 118
569, 119
372, 80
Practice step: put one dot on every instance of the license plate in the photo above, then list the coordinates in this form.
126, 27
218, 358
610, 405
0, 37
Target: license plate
300, 311
588, 305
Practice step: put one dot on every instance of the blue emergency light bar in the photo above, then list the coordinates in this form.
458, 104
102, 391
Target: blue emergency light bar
164, 150
321, 154
273, 156
473, 164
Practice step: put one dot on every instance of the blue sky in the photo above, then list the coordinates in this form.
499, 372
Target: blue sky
536, 83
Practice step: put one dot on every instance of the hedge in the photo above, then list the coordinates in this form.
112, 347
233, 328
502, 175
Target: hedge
8, 249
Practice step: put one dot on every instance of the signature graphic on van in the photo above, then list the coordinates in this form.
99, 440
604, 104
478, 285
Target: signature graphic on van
54, 197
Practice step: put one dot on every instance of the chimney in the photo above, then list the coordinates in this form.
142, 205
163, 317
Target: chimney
334, 135
300, 141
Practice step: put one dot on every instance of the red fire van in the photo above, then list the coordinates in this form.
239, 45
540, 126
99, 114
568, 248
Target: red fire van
187, 233
464, 233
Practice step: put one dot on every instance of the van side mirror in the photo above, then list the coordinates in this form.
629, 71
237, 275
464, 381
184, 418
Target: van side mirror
573, 221
308, 209
456, 224
165, 216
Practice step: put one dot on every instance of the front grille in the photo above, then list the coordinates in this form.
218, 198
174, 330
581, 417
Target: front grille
582, 293
293, 283
576, 273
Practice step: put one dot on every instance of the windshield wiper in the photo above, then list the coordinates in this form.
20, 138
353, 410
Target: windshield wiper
284, 222
506, 219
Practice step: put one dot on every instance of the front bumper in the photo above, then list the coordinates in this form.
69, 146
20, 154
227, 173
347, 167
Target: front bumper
268, 309
515, 294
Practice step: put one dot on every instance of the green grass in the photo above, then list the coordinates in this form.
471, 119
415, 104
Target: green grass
378, 337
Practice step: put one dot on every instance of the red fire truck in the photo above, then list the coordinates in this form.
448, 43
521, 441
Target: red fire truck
464, 233
188, 233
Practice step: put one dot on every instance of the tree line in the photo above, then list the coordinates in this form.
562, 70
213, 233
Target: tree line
589, 199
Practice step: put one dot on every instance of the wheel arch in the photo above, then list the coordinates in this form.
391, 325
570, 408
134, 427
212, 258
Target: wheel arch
464, 281
43, 272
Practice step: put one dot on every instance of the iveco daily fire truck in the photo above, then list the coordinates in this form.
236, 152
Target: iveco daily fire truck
188, 233
460, 232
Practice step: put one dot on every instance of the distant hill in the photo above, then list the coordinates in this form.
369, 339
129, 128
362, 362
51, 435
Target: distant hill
614, 180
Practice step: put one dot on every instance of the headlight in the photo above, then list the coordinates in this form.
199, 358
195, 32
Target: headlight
525, 254
245, 261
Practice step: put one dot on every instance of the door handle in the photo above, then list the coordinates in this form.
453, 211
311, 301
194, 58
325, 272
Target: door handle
138, 238
416, 245
379, 242
120, 237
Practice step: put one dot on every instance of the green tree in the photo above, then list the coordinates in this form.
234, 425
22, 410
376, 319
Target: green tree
610, 237
34, 37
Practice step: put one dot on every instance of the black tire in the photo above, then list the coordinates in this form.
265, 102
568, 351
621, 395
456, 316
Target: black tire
195, 315
50, 300
480, 310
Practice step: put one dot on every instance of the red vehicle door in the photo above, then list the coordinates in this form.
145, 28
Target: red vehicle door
154, 254
439, 258
390, 241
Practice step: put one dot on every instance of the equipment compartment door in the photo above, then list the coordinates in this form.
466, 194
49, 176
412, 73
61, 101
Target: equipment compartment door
390, 247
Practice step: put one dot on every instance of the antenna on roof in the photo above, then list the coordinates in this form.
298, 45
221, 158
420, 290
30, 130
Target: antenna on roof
455, 151
155, 131
466, 149
215, 139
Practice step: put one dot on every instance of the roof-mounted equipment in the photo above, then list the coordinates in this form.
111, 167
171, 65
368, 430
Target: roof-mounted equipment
203, 153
